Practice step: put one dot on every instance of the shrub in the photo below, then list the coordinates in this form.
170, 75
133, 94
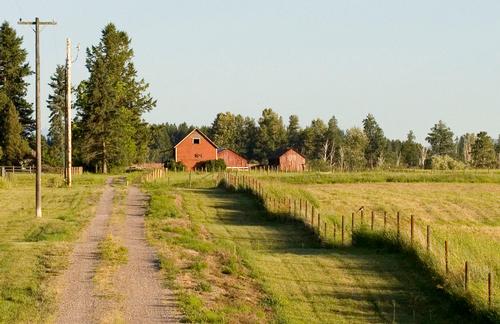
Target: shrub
212, 165
319, 165
445, 162
174, 165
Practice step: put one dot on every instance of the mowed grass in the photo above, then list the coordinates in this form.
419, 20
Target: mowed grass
467, 215
301, 280
33, 251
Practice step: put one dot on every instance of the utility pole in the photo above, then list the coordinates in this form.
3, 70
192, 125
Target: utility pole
68, 114
38, 181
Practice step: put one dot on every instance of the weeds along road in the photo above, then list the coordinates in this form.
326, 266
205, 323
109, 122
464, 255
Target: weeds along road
308, 283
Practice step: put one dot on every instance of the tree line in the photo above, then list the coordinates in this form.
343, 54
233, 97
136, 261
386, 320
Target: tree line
327, 146
109, 130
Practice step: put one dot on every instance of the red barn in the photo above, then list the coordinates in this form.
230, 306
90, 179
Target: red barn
232, 159
289, 160
196, 147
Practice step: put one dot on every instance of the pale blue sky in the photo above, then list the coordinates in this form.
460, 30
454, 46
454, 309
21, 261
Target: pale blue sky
410, 63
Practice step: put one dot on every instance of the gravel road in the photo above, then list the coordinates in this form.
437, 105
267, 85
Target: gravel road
77, 302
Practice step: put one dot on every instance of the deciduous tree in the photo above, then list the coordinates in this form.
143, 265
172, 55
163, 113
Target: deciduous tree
355, 145
271, 135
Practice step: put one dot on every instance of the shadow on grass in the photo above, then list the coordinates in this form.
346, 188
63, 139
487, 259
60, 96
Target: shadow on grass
407, 289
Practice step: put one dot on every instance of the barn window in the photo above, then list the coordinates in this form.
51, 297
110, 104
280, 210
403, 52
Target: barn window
196, 141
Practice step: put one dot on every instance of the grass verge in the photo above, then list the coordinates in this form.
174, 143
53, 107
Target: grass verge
33, 251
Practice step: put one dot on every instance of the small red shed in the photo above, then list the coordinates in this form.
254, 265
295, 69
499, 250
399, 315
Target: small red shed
289, 160
232, 159
196, 147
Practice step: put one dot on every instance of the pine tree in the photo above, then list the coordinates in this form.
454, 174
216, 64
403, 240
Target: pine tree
13, 71
483, 151
441, 139
315, 140
334, 138
14, 147
376, 141
111, 103
293, 132
410, 150
57, 106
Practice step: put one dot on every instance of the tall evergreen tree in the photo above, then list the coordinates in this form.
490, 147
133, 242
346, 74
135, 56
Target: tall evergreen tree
376, 141
14, 147
441, 139
57, 106
13, 71
111, 103
334, 138
293, 132
410, 150
483, 151
160, 147
271, 135
315, 142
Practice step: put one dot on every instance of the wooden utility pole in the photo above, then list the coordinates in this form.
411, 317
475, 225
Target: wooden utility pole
68, 159
38, 185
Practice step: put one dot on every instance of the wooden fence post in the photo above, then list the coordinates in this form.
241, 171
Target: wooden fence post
342, 229
373, 219
446, 256
312, 216
319, 223
385, 220
326, 231
334, 232
489, 289
397, 221
352, 223
362, 217
306, 212
412, 225
428, 239
466, 275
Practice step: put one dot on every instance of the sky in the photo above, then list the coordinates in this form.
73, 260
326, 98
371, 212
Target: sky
409, 63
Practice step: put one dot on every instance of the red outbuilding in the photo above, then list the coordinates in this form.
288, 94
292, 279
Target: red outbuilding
196, 147
289, 160
232, 159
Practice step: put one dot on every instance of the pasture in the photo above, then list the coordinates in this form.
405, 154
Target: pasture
298, 277
465, 214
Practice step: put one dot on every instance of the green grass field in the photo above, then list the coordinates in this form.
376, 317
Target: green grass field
33, 251
299, 279
467, 215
